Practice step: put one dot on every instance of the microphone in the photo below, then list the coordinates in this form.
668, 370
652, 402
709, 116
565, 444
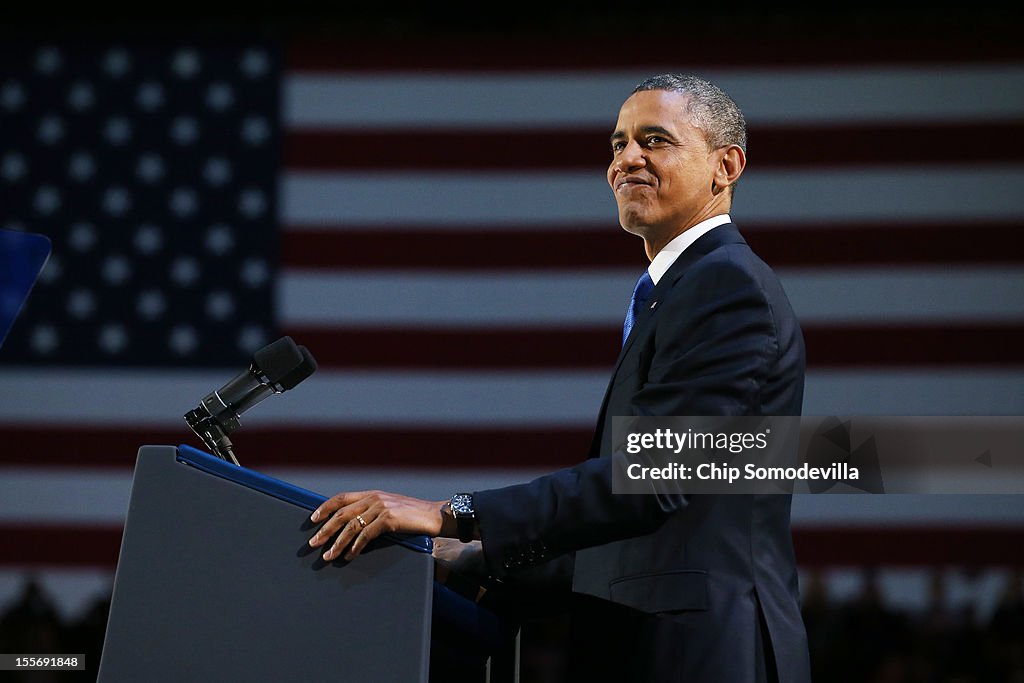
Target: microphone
274, 369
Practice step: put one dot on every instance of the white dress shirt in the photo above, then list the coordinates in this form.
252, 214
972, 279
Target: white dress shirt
664, 259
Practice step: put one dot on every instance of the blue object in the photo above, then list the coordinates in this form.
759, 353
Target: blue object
641, 292
22, 256
279, 489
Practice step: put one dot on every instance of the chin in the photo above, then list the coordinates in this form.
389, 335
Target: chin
632, 223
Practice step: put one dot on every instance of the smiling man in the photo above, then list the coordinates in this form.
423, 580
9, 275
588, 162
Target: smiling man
667, 587
668, 177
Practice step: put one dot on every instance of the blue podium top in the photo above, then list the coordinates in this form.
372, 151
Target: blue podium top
279, 489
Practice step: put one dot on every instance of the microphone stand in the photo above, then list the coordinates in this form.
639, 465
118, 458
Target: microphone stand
215, 438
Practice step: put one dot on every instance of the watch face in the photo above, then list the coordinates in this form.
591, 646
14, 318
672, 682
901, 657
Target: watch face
462, 504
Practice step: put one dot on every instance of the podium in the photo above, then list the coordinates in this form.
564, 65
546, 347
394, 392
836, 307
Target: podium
216, 582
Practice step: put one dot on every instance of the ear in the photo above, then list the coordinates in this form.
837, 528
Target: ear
730, 166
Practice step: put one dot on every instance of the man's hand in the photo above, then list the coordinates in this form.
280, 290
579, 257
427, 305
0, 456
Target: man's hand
362, 516
465, 558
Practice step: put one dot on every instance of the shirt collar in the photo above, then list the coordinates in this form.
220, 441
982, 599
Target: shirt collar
664, 259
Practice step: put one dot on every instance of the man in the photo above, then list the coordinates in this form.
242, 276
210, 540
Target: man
672, 587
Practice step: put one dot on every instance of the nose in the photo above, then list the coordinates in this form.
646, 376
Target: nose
630, 158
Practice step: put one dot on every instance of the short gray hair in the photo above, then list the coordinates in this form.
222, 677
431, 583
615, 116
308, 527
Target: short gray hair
712, 111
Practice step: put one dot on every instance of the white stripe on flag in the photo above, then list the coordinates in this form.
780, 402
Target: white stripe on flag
53, 495
478, 201
510, 399
599, 297
327, 398
571, 99
468, 300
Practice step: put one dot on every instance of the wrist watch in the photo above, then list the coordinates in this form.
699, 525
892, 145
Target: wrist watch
465, 516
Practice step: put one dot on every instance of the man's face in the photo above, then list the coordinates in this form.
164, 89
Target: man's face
661, 170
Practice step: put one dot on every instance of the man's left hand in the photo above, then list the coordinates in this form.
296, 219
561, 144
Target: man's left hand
362, 516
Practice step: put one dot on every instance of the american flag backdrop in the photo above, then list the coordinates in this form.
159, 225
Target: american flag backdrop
434, 225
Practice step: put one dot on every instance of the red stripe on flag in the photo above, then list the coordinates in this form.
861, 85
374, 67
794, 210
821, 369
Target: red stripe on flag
831, 346
879, 244
608, 246
793, 46
916, 346
434, 448
66, 546
505, 348
780, 147
63, 546
439, 249
909, 546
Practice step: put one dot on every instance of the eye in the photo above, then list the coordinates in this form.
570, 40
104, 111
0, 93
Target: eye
655, 140
618, 146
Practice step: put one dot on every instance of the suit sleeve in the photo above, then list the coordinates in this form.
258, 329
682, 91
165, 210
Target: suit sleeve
708, 355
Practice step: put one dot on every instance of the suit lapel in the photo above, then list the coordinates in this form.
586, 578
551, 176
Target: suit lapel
717, 237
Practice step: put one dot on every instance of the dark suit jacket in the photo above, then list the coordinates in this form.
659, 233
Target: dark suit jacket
704, 585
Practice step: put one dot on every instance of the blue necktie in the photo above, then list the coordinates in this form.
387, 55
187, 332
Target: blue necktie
641, 292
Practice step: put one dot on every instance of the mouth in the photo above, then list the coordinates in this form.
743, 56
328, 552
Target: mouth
631, 182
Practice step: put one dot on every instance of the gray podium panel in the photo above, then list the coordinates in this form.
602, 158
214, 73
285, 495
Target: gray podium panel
216, 582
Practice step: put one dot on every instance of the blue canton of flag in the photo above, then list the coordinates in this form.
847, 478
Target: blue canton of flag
153, 171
